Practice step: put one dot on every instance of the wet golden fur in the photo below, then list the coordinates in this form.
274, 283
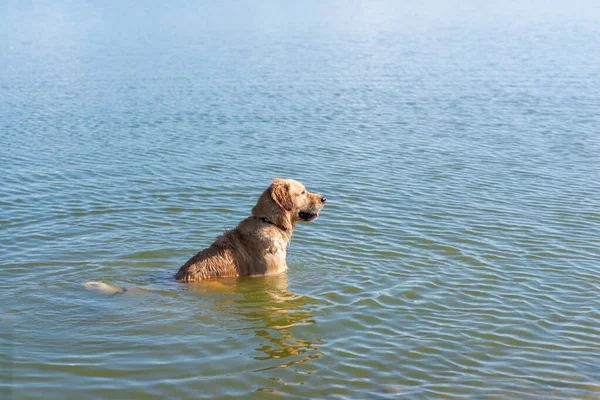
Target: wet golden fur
255, 246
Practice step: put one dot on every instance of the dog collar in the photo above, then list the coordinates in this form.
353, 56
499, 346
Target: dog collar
266, 221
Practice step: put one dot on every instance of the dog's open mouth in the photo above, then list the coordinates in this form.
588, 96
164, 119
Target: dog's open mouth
307, 216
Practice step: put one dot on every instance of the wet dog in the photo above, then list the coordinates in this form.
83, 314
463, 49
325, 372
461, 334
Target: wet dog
257, 246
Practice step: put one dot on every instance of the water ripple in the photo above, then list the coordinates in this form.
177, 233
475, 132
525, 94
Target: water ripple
457, 255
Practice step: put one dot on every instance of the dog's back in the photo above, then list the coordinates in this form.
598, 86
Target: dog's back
217, 261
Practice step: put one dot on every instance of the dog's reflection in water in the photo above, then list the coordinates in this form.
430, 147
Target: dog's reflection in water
272, 312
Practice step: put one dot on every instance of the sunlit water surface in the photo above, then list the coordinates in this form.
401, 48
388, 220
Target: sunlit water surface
458, 145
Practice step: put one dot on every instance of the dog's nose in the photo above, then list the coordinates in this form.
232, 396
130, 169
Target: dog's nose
323, 199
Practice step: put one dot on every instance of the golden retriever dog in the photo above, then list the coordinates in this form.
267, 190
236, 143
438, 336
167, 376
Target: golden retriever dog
257, 246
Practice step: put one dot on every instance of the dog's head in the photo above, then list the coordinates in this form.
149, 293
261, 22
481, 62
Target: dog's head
286, 202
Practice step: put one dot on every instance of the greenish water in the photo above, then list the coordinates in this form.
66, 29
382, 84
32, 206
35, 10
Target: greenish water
457, 144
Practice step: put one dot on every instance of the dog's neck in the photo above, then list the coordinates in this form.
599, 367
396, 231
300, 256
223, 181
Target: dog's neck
288, 232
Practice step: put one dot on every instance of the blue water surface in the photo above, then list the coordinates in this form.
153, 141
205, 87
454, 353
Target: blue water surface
458, 146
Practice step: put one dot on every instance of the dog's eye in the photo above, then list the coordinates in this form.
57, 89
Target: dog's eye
304, 192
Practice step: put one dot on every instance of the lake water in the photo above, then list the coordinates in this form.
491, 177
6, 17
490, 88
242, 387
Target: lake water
458, 145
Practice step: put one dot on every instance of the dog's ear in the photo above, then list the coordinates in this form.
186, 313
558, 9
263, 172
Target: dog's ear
280, 193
